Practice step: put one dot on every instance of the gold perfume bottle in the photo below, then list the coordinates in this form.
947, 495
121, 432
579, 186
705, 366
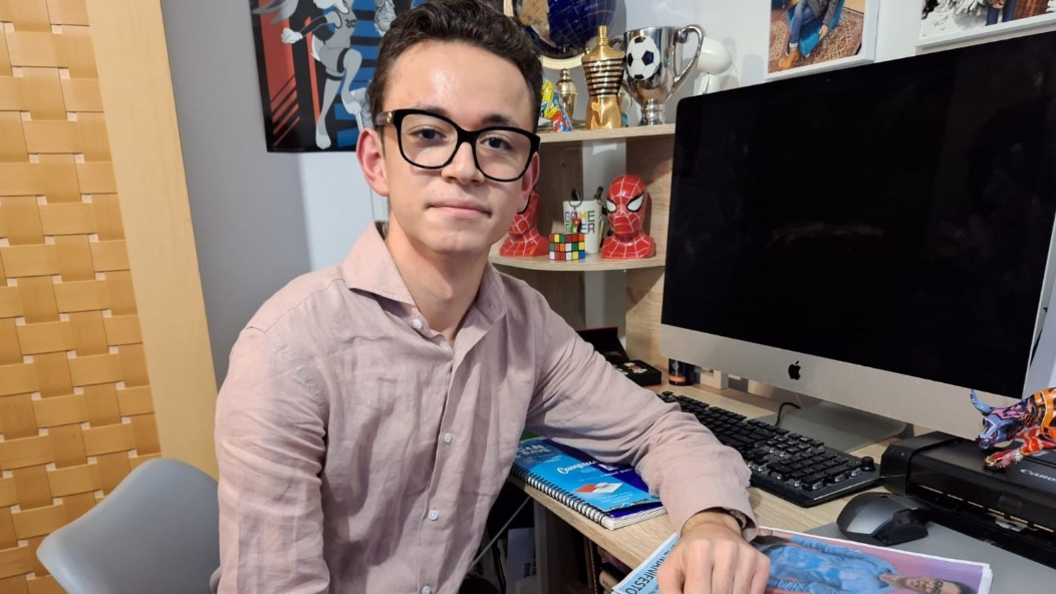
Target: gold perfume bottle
603, 69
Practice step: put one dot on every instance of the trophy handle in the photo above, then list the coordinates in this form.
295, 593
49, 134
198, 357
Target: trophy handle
683, 36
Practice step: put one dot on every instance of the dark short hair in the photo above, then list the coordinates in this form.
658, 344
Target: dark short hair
474, 22
965, 588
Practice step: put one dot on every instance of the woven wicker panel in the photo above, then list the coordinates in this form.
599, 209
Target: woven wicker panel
75, 406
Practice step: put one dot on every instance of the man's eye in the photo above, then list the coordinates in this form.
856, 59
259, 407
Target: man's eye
427, 134
497, 143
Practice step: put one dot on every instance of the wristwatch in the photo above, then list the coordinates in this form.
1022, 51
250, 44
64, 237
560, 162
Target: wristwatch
742, 520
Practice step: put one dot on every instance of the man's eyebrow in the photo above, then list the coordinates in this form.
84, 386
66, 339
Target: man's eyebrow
492, 119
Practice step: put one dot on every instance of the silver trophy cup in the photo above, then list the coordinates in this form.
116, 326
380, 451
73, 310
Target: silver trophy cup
654, 68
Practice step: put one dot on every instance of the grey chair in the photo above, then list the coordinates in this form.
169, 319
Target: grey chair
156, 532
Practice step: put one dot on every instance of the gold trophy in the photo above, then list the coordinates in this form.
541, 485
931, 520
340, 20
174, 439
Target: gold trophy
567, 89
603, 68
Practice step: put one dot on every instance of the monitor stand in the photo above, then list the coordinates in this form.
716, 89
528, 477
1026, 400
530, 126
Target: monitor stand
840, 427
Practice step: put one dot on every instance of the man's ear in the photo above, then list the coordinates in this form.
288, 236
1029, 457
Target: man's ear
371, 155
531, 176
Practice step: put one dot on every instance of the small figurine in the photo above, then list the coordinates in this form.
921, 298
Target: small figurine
524, 239
625, 207
552, 111
1029, 421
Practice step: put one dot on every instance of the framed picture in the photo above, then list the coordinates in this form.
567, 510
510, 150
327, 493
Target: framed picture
950, 21
314, 61
816, 35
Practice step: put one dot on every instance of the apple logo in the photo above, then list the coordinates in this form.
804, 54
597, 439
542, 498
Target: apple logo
793, 370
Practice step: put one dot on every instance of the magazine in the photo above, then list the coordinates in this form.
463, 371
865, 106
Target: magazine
612, 495
806, 563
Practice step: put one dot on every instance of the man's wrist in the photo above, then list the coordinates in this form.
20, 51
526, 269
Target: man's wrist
730, 518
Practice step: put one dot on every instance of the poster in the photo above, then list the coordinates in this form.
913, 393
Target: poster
814, 35
314, 61
947, 21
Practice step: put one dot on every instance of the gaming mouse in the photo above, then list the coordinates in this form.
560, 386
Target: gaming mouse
882, 519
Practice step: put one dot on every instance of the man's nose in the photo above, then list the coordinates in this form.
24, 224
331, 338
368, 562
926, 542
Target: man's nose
463, 166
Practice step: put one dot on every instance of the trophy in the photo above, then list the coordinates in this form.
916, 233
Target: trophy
655, 68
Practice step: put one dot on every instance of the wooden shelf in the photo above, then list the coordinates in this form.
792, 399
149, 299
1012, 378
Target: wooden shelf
607, 135
594, 262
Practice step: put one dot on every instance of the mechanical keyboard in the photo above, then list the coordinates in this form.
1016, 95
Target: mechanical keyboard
792, 466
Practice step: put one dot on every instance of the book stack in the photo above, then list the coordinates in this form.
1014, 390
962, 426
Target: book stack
611, 495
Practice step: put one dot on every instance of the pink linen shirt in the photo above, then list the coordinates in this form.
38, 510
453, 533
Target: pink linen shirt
359, 451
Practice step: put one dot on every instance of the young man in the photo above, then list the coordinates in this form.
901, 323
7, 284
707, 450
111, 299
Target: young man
372, 410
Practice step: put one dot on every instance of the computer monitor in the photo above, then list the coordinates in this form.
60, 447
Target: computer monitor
879, 237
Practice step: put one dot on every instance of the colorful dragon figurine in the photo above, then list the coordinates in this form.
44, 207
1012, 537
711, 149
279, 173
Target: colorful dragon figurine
1029, 421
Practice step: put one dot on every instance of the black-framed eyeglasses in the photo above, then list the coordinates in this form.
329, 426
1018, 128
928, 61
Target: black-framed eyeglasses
430, 141
936, 586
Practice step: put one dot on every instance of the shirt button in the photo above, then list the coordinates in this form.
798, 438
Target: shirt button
427, 590
448, 438
416, 323
434, 515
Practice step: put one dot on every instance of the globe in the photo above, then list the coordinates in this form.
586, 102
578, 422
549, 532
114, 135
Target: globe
562, 28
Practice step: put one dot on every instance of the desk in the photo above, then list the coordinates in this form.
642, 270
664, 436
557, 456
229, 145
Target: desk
632, 544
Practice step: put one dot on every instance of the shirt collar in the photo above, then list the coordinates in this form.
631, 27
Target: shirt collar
369, 267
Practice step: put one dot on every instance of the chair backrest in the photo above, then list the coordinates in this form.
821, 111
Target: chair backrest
156, 532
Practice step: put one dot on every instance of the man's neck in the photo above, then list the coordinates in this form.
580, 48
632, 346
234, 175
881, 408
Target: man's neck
443, 289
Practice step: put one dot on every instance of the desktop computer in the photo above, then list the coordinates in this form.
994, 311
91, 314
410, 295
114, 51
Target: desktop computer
880, 238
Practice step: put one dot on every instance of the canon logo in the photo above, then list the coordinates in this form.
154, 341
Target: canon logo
1038, 475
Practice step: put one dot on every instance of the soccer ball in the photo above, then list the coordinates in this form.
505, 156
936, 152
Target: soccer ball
643, 58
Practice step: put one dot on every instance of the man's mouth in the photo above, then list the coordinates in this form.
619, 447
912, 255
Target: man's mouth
462, 207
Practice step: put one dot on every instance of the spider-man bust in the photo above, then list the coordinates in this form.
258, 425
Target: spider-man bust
524, 239
626, 206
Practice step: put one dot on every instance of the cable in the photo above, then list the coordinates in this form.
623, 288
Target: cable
499, 532
781, 409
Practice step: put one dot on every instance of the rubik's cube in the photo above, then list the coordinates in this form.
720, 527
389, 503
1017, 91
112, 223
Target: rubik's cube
568, 246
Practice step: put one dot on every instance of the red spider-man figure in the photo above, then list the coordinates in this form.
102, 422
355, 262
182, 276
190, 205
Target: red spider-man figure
524, 239
626, 206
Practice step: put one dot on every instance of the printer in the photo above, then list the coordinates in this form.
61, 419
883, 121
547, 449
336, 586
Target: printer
1013, 509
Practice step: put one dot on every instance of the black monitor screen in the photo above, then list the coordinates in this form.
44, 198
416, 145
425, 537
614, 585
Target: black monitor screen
896, 215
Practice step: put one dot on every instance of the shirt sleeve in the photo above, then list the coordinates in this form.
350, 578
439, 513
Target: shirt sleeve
830, 13
829, 548
580, 400
798, 586
269, 446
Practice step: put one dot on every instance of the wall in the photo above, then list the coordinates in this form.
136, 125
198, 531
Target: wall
103, 348
248, 205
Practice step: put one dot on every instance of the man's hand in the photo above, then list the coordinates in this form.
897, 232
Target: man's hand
712, 557
824, 31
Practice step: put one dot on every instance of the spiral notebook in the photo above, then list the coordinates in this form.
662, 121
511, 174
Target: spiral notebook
611, 495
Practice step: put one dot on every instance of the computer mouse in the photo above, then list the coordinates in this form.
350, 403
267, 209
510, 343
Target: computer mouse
882, 519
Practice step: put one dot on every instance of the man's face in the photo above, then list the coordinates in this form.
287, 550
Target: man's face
931, 585
454, 212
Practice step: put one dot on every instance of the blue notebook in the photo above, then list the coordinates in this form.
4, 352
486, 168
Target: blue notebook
611, 495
